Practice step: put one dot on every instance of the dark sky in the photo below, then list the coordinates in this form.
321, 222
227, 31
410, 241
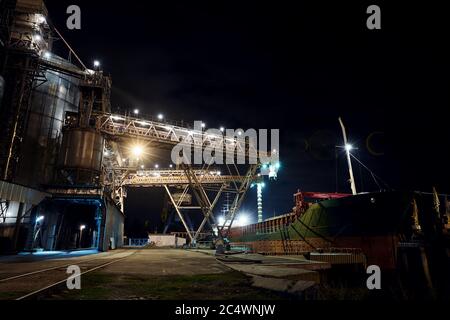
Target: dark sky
295, 67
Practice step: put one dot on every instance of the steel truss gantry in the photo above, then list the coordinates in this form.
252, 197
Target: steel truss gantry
206, 186
200, 182
204, 183
169, 177
172, 134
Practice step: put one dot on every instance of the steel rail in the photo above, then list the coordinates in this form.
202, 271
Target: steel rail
45, 270
64, 280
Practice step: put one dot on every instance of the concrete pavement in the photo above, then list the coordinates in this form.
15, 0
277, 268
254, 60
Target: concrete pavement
160, 262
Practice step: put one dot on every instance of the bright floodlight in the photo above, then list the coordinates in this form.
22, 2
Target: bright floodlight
137, 151
156, 166
160, 116
243, 220
136, 111
222, 129
348, 147
221, 220
142, 166
96, 63
41, 19
37, 37
82, 227
272, 172
47, 55
40, 218
203, 125
171, 166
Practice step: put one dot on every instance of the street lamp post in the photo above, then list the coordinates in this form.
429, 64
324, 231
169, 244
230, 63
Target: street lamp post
36, 230
96, 65
82, 227
348, 147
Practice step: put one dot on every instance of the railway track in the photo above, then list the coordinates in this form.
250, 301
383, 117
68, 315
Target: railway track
30, 284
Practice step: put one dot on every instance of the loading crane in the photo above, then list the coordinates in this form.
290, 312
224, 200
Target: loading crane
30, 45
118, 129
189, 178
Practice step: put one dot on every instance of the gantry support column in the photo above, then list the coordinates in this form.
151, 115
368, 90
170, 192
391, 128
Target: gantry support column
240, 195
177, 208
207, 216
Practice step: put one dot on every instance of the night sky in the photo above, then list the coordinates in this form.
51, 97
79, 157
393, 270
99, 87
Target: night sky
295, 67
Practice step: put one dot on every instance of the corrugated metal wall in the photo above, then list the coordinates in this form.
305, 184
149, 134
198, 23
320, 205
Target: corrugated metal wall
14, 192
113, 230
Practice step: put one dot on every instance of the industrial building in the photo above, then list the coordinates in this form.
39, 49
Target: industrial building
66, 159
51, 196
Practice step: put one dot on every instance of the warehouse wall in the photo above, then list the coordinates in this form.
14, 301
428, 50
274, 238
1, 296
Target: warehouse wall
113, 230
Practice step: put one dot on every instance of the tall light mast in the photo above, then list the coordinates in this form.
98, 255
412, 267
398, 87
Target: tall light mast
259, 184
271, 170
348, 147
259, 187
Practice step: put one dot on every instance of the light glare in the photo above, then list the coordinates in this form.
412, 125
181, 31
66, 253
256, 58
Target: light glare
41, 19
242, 220
137, 151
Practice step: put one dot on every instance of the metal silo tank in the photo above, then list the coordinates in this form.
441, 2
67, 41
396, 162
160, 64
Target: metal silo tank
2, 88
81, 155
49, 103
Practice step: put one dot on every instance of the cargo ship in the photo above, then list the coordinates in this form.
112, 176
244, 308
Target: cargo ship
369, 228
390, 229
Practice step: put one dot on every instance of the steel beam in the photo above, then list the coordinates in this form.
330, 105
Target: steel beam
179, 212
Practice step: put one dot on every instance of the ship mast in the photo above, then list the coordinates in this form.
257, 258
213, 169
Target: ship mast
348, 147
